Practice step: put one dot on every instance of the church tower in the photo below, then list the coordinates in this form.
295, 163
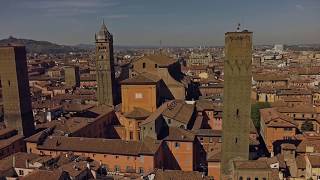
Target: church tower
237, 101
105, 67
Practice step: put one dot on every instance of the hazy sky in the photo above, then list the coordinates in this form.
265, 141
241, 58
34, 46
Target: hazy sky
175, 22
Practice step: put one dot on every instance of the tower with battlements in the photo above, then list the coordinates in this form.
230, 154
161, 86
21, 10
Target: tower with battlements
236, 102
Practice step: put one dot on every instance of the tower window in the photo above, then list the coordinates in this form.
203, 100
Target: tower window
156, 65
9, 83
237, 112
236, 141
143, 65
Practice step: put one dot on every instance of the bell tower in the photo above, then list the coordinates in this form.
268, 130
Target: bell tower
105, 67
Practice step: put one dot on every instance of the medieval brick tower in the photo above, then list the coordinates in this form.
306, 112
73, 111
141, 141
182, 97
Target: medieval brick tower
237, 102
105, 67
72, 76
15, 89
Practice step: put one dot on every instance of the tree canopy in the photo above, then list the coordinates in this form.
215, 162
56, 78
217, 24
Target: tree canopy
255, 113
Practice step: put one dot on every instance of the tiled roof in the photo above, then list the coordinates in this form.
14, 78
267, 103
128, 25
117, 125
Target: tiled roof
297, 109
19, 159
179, 111
137, 113
314, 143
143, 78
202, 105
179, 134
251, 164
273, 118
46, 174
214, 157
314, 161
179, 175
160, 59
99, 145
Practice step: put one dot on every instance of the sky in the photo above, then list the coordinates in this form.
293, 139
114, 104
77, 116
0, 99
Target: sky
173, 22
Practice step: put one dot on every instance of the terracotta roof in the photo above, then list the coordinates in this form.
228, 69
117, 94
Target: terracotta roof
314, 161
251, 164
288, 146
76, 107
176, 174
273, 118
160, 59
179, 111
143, 78
137, 113
101, 109
297, 109
208, 132
294, 92
314, 143
214, 157
268, 77
67, 126
202, 105
7, 142
198, 122
179, 134
74, 168
155, 115
19, 160
46, 174
99, 145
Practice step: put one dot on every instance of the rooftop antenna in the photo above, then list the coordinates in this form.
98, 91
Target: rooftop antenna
160, 46
238, 27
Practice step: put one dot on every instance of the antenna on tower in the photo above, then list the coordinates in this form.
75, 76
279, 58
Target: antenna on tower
238, 27
160, 46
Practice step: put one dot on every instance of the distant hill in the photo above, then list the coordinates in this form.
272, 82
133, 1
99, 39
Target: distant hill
34, 46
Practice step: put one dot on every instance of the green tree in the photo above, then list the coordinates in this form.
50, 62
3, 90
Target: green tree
255, 113
307, 126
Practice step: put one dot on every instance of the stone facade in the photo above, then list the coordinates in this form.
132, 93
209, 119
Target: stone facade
72, 76
15, 89
237, 102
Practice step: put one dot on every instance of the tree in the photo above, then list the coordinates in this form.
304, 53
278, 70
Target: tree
307, 126
255, 113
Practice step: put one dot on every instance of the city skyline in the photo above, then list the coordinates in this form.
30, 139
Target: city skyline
143, 23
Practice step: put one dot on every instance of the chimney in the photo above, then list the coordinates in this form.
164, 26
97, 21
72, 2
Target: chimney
27, 163
13, 161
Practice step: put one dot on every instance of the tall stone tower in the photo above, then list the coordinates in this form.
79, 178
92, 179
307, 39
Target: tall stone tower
105, 67
15, 89
72, 76
237, 101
